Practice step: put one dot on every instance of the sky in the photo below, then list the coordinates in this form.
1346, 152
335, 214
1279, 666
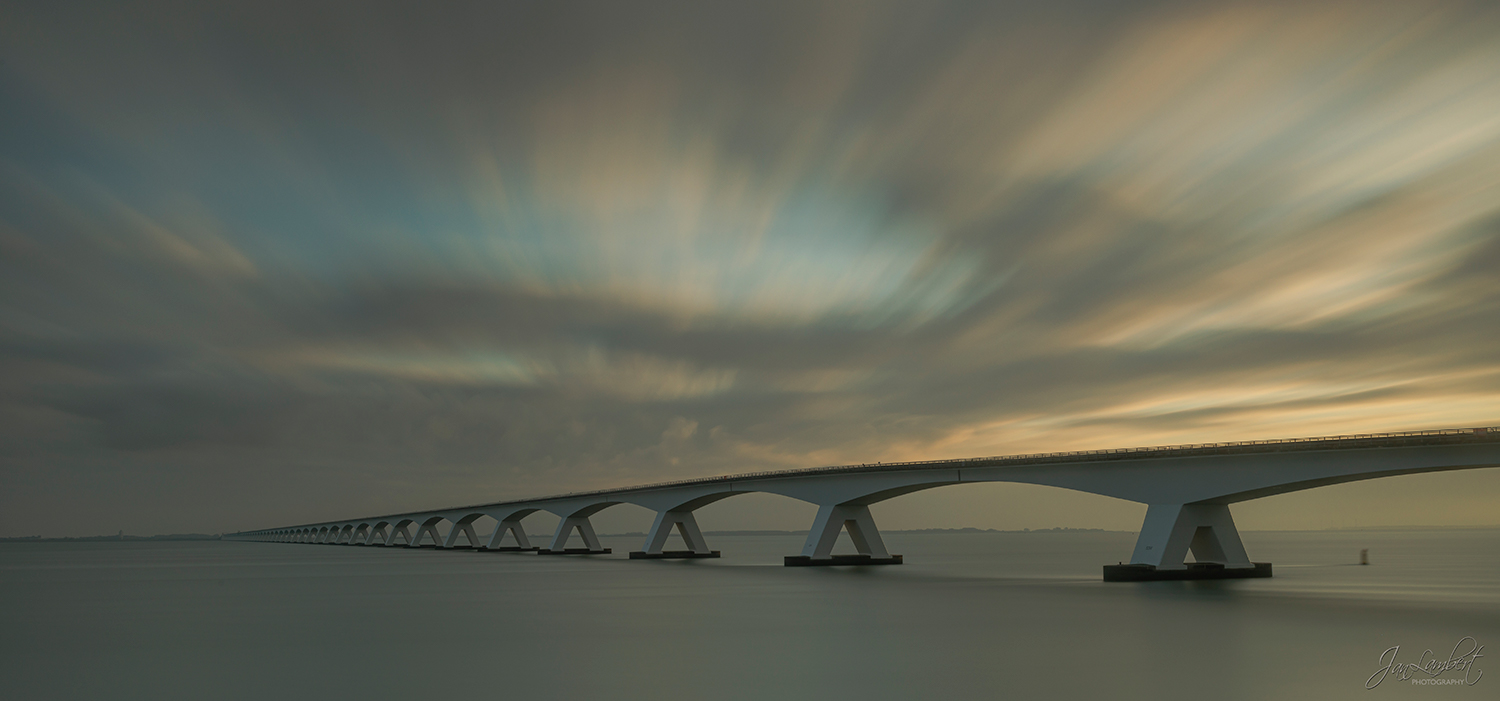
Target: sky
271, 263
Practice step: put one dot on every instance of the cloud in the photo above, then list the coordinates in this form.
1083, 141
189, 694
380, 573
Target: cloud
505, 251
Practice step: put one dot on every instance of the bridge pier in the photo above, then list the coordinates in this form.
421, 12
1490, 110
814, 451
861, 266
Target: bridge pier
834, 519
565, 530
423, 530
1171, 530
513, 527
398, 531
687, 527
465, 528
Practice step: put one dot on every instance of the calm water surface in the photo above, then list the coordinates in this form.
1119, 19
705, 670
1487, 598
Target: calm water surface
970, 616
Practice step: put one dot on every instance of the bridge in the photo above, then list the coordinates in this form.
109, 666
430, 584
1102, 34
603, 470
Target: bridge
1187, 490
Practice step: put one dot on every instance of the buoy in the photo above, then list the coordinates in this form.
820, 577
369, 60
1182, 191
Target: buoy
1364, 556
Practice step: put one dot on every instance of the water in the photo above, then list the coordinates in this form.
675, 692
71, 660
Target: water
970, 616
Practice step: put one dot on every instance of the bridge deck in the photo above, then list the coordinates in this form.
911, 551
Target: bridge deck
1451, 436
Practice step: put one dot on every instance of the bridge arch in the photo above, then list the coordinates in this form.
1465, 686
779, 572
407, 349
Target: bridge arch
378, 533
399, 528
574, 517
463, 525
508, 522
427, 525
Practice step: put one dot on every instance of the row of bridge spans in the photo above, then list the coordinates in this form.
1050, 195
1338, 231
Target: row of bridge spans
1187, 489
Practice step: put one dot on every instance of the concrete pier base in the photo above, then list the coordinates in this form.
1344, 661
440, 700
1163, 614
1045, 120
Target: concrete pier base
672, 555
509, 549
1205, 570
805, 561
576, 551
833, 519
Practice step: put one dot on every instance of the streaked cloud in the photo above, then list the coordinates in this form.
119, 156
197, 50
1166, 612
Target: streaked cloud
505, 250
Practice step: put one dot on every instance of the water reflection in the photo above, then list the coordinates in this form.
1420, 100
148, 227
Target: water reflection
969, 616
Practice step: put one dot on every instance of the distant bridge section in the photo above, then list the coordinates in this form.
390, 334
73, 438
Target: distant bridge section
1187, 490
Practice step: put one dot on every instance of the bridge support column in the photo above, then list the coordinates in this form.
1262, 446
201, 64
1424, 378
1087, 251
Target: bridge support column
467, 529
834, 519
686, 526
422, 531
399, 531
565, 530
514, 528
378, 536
1171, 530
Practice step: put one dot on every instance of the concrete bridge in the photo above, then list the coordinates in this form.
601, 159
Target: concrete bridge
1188, 490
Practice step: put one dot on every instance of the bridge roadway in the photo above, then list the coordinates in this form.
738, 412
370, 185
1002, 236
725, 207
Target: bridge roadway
1187, 490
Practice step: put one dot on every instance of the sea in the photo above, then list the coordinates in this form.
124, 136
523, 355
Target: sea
984, 615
